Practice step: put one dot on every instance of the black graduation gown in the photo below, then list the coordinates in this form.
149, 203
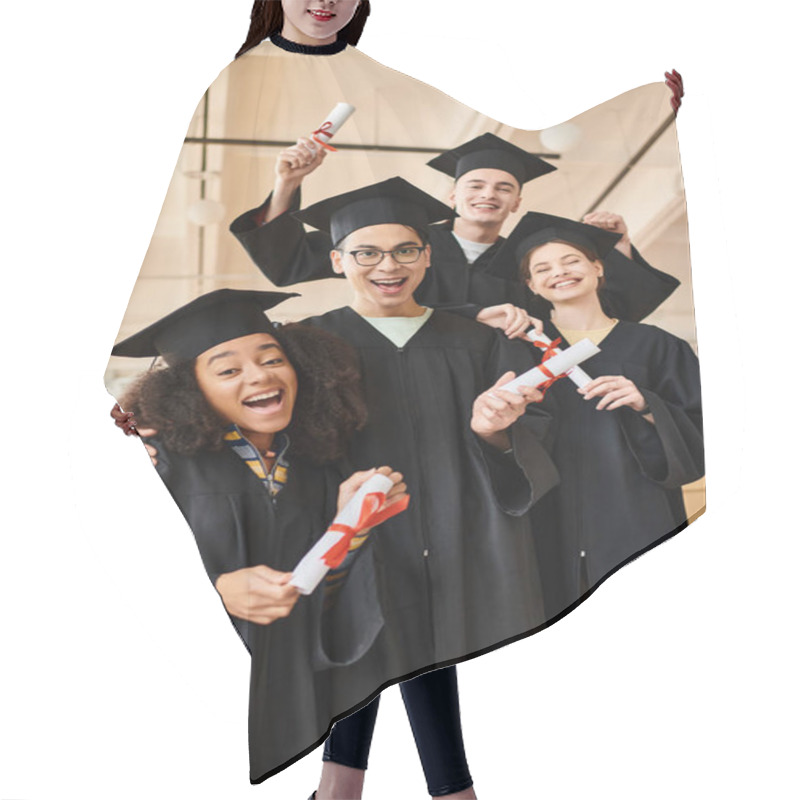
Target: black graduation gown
621, 476
457, 572
300, 680
287, 254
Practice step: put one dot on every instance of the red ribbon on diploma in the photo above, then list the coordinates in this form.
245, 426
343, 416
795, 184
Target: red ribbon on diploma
549, 350
324, 130
370, 516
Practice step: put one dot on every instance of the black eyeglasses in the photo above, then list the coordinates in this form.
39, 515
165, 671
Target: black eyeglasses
402, 255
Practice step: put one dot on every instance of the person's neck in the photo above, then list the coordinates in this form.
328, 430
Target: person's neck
581, 314
369, 309
262, 442
477, 232
292, 34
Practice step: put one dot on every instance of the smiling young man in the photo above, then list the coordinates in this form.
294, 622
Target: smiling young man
459, 574
489, 174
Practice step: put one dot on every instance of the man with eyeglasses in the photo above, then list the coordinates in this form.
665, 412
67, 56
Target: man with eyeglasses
458, 573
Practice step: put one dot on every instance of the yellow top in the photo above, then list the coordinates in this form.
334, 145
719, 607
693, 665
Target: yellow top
596, 336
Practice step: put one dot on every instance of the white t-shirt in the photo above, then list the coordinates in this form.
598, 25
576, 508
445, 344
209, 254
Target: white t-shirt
472, 250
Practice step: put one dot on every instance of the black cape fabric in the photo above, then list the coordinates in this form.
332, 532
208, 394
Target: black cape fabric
299, 660
287, 255
457, 571
267, 99
621, 476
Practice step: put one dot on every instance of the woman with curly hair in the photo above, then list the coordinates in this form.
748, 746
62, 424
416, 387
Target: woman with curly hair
252, 425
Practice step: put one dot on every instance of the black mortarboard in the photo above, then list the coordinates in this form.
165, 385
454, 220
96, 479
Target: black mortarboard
535, 229
392, 201
204, 323
491, 152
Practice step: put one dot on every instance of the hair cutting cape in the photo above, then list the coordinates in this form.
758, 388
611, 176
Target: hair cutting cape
494, 546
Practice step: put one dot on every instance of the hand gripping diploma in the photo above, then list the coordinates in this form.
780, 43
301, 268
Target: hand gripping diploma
494, 411
615, 391
261, 594
366, 499
556, 367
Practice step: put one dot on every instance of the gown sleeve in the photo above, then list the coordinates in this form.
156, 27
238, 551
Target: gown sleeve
282, 249
523, 476
348, 611
206, 513
670, 451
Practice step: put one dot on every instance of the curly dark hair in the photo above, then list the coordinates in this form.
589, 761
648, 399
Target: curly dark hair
266, 18
329, 408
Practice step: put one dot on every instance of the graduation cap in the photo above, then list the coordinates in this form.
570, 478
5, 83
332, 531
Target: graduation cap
491, 152
204, 323
392, 201
536, 229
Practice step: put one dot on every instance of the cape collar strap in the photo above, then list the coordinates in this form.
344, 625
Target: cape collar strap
307, 49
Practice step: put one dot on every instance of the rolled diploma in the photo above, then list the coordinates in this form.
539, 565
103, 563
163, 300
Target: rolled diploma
334, 121
576, 374
312, 567
565, 360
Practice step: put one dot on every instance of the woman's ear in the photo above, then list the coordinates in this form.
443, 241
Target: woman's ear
336, 262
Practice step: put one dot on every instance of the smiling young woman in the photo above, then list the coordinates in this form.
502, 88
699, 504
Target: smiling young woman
252, 424
193, 402
306, 22
629, 439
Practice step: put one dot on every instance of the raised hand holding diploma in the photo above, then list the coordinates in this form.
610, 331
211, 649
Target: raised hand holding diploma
380, 497
333, 122
296, 162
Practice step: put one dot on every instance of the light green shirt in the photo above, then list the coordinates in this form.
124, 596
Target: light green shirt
398, 330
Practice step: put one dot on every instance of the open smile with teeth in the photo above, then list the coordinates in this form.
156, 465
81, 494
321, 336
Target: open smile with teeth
566, 284
266, 402
322, 16
486, 206
389, 285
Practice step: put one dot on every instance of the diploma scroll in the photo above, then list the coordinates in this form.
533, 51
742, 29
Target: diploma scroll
559, 364
333, 122
576, 374
362, 512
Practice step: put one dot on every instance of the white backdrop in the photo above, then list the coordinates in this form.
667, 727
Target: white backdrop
120, 676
